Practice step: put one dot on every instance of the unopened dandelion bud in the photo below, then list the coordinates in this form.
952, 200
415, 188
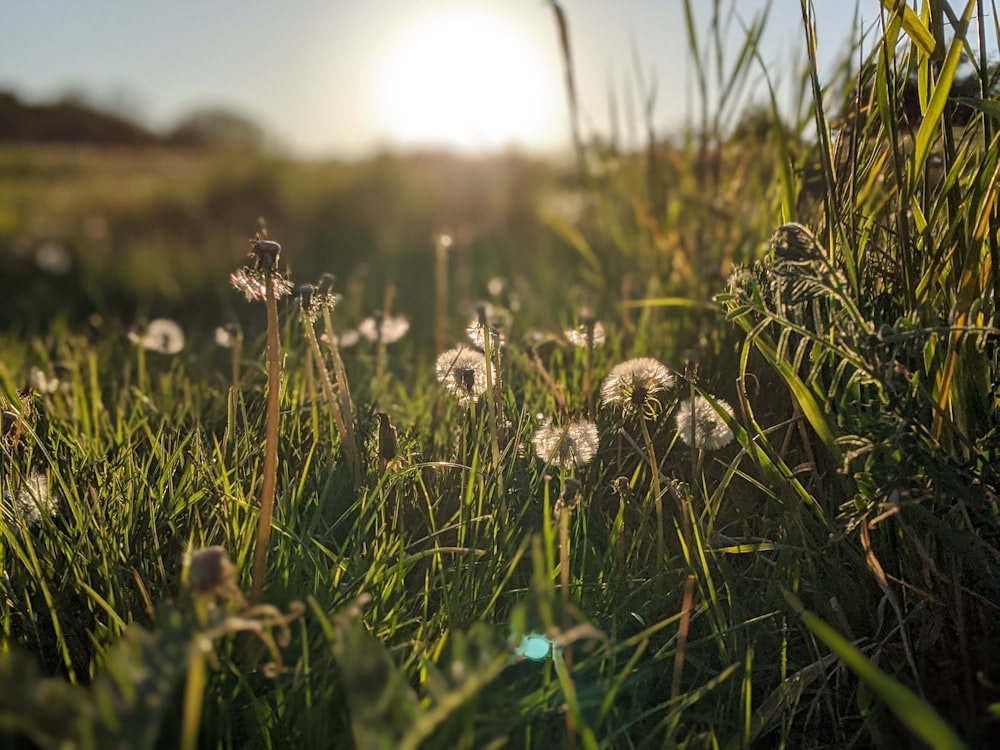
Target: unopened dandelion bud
387, 439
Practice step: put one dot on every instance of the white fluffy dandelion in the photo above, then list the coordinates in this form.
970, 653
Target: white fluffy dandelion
701, 426
385, 328
574, 444
32, 500
586, 335
635, 385
159, 335
251, 283
462, 372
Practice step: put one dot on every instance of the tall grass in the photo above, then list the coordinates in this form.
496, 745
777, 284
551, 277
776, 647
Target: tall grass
829, 578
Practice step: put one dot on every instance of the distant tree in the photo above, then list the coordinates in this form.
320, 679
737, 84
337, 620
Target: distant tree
967, 85
68, 120
217, 128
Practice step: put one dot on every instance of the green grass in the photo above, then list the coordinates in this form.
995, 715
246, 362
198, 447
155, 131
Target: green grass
827, 579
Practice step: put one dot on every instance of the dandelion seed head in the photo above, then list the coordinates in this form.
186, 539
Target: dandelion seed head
252, 284
31, 501
462, 372
348, 338
228, 336
635, 384
39, 381
589, 333
385, 328
700, 425
159, 335
574, 444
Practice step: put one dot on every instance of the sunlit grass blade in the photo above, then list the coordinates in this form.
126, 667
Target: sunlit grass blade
915, 28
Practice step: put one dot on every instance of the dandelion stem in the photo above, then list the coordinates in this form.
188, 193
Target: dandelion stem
141, 367
588, 370
340, 374
492, 396
657, 494
194, 694
234, 392
272, 424
564, 562
346, 437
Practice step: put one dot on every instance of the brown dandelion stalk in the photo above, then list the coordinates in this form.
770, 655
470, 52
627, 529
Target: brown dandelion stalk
343, 386
272, 425
346, 435
682, 636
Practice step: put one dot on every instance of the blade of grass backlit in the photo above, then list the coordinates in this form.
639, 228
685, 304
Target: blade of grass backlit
942, 88
914, 27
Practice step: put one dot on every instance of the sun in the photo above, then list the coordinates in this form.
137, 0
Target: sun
466, 80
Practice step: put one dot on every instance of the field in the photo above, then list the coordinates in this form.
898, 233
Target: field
695, 446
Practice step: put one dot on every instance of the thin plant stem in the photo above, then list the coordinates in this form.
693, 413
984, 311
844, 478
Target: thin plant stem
141, 367
588, 367
441, 244
340, 374
491, 409
235, 354
657, 493
350, 447
272, 425
564, 563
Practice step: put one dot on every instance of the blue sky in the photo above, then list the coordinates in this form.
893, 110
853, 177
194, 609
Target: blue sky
334, 78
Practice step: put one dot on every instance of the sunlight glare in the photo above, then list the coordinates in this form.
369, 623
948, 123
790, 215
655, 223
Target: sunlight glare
467, 80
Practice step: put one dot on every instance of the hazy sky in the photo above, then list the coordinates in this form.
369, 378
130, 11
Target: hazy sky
328, 77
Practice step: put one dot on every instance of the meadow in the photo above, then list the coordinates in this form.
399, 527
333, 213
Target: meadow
693, 445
